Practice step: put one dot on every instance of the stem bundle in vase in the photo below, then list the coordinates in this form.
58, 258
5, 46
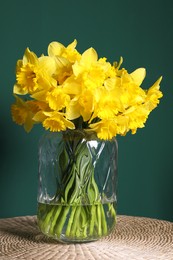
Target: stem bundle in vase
77, 210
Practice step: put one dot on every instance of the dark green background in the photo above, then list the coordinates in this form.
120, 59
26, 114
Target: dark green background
141, 32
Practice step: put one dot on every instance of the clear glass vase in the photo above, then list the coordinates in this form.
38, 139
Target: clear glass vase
77, 186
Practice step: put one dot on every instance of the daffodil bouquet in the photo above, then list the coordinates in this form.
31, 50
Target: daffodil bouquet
66, 92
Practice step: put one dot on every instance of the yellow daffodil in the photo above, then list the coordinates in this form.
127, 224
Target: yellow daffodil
57, 99
105, 129
72, 90
91, 71
22, 113
34, 74
56, 122
64, 58
56, 49
153, 95
82, 105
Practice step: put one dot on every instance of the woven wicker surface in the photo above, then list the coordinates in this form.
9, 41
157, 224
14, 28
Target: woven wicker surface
133, 238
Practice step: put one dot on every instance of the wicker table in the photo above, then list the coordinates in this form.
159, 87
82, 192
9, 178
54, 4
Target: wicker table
133, 238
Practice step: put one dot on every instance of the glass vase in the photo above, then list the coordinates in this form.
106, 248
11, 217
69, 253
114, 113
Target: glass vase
77, 186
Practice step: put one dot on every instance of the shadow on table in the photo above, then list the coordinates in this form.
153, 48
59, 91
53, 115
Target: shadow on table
36, 237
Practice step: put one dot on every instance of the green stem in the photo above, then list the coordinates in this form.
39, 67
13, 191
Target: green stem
104, 222
112, 210
47, 221
99, 220
75, 222
62, 219
70, 222
58, 209
84, 221
92, 221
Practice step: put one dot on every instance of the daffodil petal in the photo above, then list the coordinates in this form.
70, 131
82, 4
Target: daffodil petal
138, 75
55, 49
72, 45
18, 90
48, 64
89, 56
29, 57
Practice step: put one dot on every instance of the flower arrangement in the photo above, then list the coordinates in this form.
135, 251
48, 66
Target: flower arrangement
69, 90
73, 94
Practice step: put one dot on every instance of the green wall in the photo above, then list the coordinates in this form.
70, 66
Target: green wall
141, 32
